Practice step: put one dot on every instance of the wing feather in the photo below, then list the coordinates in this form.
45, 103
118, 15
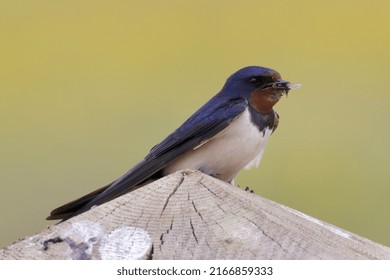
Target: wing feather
200, 127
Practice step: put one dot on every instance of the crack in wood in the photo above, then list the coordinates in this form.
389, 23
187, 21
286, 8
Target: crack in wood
196, 210
265, 234
208, 245
193, 232
172, 193
150, 255
221, 208
147, 222
167, 232
207, 188
204, 186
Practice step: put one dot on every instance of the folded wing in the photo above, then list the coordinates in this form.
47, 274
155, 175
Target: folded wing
204, 124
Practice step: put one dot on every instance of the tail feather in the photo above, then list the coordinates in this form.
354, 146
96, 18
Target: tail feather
67, 210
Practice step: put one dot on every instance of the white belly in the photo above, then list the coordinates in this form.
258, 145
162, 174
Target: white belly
239, 145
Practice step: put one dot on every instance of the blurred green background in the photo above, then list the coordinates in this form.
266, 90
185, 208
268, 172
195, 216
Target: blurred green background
88, 87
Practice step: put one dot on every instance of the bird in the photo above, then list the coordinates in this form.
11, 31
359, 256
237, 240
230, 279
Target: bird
227, 134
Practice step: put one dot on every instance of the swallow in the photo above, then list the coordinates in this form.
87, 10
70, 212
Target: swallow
225, 135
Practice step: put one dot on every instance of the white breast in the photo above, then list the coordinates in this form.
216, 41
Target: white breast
240, 145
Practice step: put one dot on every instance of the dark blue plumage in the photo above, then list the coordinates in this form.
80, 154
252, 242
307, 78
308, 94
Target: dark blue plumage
238, 120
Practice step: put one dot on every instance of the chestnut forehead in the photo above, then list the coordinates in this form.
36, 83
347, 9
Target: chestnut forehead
268, 77
274, 75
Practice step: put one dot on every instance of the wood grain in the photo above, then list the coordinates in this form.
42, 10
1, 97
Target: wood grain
189, 215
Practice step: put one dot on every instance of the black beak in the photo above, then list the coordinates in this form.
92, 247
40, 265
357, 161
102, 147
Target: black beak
281, 85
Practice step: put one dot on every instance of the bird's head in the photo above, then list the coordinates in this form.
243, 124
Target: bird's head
262, 87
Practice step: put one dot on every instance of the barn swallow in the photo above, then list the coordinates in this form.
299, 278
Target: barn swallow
225, 135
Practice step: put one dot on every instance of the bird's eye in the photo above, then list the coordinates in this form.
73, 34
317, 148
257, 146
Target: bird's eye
253, 81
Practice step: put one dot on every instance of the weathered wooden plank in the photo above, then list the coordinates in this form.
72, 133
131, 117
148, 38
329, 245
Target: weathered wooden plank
189, 215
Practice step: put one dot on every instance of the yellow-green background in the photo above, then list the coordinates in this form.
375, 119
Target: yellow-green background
88, 87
